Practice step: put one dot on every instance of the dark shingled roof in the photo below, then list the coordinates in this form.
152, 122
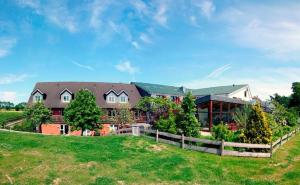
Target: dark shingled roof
172, 90
53, 90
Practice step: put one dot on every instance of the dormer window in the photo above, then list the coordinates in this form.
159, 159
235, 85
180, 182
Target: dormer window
38, 96
111, 98
123, 98
66, 96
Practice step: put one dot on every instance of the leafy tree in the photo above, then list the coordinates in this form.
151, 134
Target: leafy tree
83, 113
20, 106
37, 114
282, 100
257, 130
295, 97
123, 115
188, 122
6, 105
241, 116
155, 107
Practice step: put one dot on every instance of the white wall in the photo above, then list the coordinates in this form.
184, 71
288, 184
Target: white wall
66, 93
37, 94
241, 94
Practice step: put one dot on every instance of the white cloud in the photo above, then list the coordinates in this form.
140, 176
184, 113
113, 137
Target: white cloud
55, 12
207, 7
135, 45
145, 38
160, 15
6, 44
83, 66
219, 71
125, 66
8, 96
273, 29
12, 78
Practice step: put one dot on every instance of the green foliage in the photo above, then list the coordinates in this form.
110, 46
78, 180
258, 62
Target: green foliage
123, 115
295, 97
8, 116
188, 122
221, 131
167, 124
241, 116
26, 126
282, 100
20, 106
37, 114
83, 112
155, 107
277, 129
257, 130
6, 105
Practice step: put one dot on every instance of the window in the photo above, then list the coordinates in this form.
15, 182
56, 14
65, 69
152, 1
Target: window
137, 114
174, 98
112, 113
66, 98
245, 94
38, 98
111, 98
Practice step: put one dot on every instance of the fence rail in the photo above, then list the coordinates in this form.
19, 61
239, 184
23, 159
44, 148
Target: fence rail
210, 146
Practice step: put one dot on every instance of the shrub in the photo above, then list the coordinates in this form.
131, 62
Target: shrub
221, 131
26, 126
167, 124
258, 130
291, 118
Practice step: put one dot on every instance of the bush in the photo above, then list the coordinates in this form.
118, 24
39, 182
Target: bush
291, 118
221, 131
167, 124
26, 126
257, 130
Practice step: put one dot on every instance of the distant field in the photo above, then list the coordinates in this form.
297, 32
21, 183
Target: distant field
39, 159
7, 116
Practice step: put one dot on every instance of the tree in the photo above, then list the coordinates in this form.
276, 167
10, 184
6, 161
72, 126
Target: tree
37, 114
241, 116
155, 107
83, 113
257, 130
188, 122
283, 100
123, 115
6, 105
295, 97
20, 106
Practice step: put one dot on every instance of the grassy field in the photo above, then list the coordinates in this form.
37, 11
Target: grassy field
39, 159
7, 116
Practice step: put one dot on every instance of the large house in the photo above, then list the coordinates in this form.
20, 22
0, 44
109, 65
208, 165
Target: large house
214, 104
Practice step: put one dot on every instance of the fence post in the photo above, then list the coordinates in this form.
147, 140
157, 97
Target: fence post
280, 140
271, 149
222, 148
182, 141
156, 135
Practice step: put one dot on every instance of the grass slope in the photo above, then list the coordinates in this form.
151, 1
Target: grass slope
39, 159
7, 116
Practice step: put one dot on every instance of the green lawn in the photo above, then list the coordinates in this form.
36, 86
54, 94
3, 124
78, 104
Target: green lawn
38, 159
7, 116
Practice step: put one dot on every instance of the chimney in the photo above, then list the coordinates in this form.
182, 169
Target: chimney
183, 89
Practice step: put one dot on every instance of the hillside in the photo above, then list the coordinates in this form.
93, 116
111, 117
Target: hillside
39, 159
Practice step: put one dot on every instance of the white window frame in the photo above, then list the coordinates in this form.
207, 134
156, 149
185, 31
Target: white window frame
123, 95
37, 97
111, 98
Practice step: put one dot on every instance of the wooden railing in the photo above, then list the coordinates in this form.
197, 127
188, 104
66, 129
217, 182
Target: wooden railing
214, 147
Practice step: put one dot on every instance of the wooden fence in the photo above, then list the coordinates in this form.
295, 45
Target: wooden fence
210, 146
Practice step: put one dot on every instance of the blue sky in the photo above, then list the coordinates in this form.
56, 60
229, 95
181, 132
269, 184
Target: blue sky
195, 43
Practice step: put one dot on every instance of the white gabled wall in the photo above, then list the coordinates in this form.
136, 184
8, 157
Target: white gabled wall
36, 95
66, 93
240, 94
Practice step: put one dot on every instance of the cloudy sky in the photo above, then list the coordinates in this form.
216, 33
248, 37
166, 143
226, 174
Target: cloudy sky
195, 43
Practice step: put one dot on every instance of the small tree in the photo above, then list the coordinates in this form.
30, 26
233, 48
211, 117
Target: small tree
241, 116
37, 114
257, 130
188, 122
123, 115
20, 106
83, 113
